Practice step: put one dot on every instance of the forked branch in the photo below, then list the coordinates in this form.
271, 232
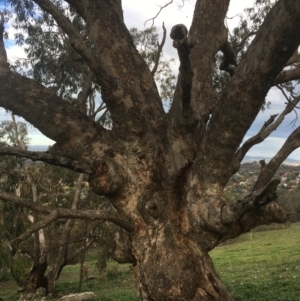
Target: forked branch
258, 198
160, 9
266, 130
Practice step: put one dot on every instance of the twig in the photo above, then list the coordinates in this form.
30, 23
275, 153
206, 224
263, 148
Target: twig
161, 8
159, 50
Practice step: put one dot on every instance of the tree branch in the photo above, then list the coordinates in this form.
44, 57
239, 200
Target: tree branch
266, 130
103, 76
53, 116
135, 92
34, 228
267, 172
160, 9
203, 50
272, 47
84, 93
46, 157
159, 50
105, 215
3, 55
295, 58
287, 75
233, 212
241, 44
271, 213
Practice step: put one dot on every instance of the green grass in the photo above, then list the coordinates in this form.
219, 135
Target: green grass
261, 266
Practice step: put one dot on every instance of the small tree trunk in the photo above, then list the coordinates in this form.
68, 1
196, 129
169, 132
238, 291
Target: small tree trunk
36, 278
80, 275
82, 258
52, 276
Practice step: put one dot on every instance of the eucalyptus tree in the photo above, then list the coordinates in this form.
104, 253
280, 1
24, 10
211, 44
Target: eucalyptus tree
34, 249
164, 173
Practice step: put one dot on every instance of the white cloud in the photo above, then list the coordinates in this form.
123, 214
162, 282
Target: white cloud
37, 138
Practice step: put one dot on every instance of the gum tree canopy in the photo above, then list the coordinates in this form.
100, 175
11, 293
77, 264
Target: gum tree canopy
164, 173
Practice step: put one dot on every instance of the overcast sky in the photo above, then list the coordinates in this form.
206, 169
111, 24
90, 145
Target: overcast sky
136, 12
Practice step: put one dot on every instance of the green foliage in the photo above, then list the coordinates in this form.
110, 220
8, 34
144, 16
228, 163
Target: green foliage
112, 273
20, 265
50, 58
8, 134
5, 260
147, 42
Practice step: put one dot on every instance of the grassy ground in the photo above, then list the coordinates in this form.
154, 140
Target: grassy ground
258, 266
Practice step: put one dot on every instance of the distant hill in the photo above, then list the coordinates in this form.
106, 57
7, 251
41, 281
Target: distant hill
287, 161
38, 148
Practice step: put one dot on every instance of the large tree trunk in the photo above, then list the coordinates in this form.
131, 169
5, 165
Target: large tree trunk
170, 268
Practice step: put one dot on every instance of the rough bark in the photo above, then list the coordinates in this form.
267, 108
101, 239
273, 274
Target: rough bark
165, 173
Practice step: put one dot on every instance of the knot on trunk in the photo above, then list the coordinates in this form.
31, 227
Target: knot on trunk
179, 34
107, 178
152, 205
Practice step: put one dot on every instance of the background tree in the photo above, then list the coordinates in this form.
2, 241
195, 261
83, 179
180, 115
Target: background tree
34, 250
164, 173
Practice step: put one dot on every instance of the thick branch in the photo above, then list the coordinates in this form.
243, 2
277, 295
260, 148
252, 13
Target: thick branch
105, 215
233, 212
81, 103
54, 117
266, 130
287, 75
207, 36
267, 172
3, 56
272, 47
134, 103
295, 59
46, 157
272, 213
